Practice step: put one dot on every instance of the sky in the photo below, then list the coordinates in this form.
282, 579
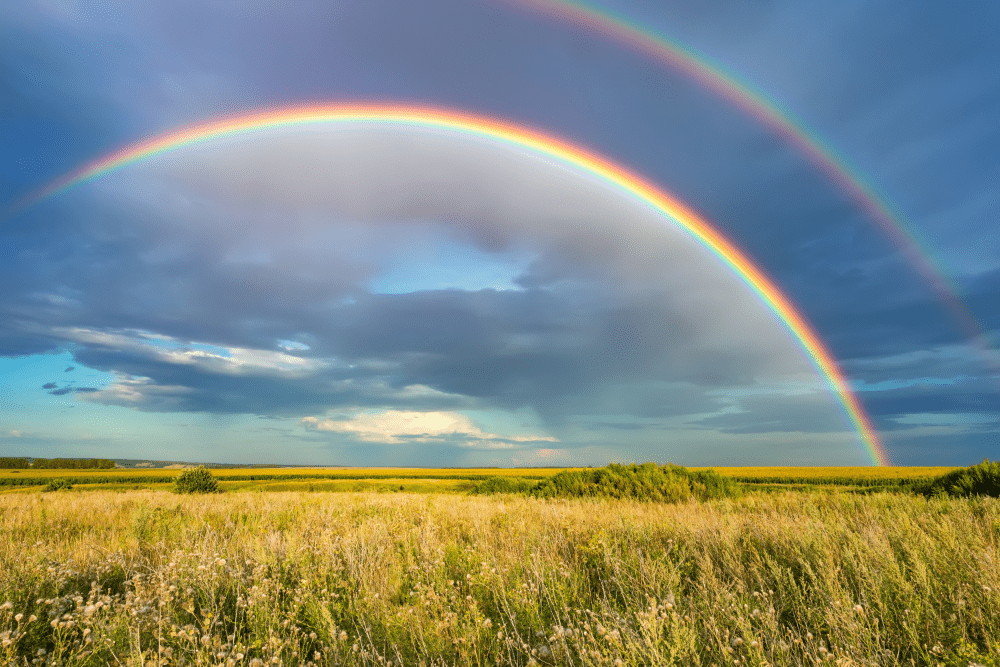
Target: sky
361, 293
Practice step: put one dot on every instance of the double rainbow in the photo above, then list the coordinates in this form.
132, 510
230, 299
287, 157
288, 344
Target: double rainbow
678, 57
525, 140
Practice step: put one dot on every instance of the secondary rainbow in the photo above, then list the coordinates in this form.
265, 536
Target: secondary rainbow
523, 139
697, 66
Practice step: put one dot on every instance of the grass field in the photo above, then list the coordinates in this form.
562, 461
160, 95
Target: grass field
153, 578
404, 567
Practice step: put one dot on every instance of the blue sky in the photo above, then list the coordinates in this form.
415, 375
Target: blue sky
391, 297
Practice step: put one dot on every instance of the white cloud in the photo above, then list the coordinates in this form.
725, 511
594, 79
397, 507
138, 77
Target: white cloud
210, 358
137, 391
398, 426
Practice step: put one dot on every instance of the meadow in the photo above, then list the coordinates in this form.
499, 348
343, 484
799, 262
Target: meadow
389, 577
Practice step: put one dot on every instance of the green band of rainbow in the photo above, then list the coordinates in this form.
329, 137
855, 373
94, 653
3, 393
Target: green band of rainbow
522, 139
678, 57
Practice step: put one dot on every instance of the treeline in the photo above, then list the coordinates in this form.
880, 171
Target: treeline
21, 463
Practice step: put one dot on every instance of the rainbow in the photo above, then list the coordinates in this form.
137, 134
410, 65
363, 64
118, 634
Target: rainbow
782, 122
523, 139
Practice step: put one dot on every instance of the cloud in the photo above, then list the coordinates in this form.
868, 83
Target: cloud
239, 272
49, 385
139, 392
215, 359
402, 426
71, 390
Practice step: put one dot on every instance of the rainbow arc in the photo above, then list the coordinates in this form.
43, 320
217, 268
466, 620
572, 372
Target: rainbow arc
524, 139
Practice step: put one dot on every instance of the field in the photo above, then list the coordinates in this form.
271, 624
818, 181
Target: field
421, 480
389, 577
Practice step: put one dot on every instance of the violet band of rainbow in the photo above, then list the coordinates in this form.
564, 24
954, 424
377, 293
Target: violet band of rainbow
521, 138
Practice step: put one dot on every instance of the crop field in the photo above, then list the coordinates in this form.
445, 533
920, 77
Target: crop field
432, 480
419, 577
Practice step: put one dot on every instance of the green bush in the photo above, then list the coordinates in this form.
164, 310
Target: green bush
649, 481
982, 479
59, 484
504, 485
196, 480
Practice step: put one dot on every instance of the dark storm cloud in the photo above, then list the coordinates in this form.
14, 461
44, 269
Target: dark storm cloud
49, 385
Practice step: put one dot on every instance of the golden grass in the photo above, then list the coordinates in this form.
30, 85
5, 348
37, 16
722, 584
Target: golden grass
301, 579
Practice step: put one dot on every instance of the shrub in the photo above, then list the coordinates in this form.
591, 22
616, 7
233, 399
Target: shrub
648, 481
504, 485
982, 479
59, 484
196, 480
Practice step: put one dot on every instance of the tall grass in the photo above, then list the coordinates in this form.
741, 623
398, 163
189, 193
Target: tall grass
153, 578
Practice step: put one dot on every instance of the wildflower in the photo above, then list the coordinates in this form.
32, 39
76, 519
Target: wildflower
487, 623
736, 641
809, 635
18, 617
859, 609
6, 605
